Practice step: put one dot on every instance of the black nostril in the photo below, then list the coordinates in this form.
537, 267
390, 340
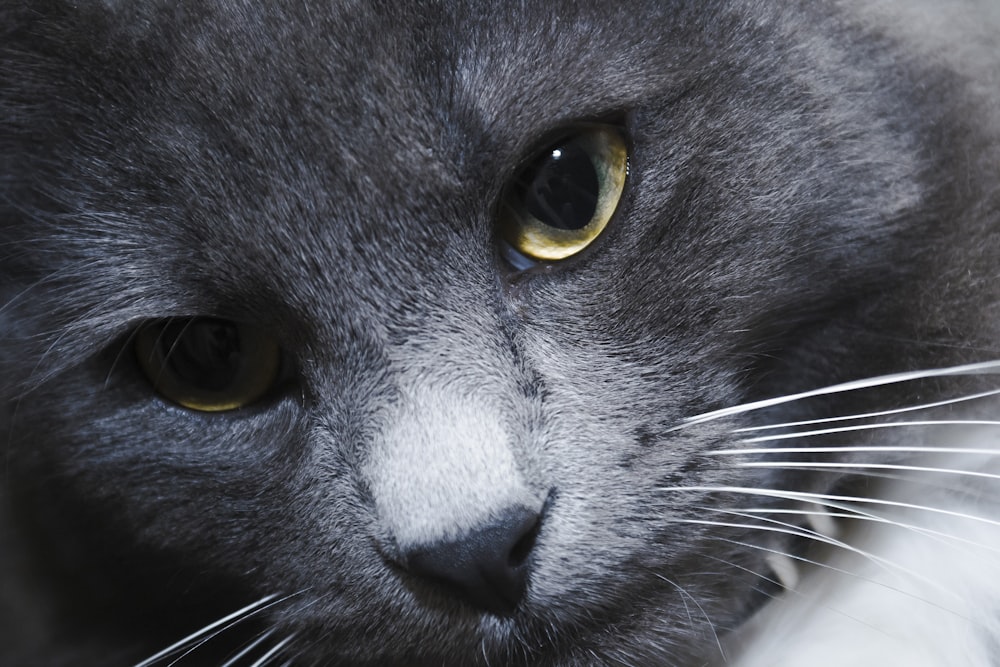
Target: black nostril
487, 566
522, 549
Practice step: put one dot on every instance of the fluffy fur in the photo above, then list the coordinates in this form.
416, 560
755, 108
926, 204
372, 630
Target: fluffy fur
813, 199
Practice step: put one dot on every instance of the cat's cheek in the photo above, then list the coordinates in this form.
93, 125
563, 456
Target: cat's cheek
157, 465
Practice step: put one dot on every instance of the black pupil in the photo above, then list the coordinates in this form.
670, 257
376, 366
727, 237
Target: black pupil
205, 353
561, 188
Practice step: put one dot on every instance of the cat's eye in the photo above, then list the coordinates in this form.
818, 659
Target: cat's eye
208, 364
562, 200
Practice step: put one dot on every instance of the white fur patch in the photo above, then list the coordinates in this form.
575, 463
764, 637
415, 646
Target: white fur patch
443, 465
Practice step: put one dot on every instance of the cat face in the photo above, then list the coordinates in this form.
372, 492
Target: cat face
274, 331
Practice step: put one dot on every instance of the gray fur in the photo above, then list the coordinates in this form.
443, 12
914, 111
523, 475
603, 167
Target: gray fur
813, 198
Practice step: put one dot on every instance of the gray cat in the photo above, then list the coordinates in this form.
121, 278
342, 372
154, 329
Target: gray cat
499, 333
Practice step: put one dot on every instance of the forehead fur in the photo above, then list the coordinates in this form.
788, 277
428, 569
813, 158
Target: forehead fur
254, 156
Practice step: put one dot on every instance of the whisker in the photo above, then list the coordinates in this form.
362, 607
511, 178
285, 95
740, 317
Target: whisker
866, 427
847, 573
743, 568
807, 561
871, 415
249, 648
799, 531
870, 449
866, 470
213, 629
684, 593
820, 497
987, 367
802, 559
274, 652
786, 528
822, 520
780, 527
769, 550
860, 515
838, 465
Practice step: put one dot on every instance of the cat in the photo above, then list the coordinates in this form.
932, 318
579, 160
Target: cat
499, 333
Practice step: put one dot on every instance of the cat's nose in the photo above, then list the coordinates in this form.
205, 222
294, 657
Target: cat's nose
488, 566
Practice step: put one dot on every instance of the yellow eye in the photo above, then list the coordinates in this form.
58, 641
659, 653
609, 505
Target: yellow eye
565, 198
208, 364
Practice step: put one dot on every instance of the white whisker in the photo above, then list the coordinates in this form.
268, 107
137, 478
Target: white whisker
781, 527
743, 568
805, 496
987, 367
237, 616
274, 652
839, 465
866, 427
855, 449
847, 514
248, 649
785, 528
870, 415
911, 480
854, 514
685, 594
801, 559
847, 573
215, 628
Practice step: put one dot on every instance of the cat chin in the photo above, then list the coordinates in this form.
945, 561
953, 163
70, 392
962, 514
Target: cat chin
918, 586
